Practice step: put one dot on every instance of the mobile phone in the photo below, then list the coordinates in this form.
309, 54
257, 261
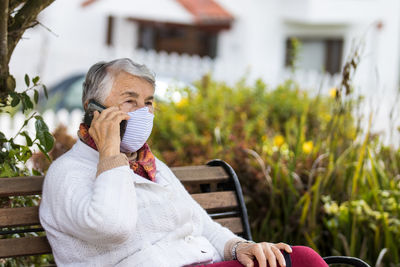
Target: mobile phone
92, 107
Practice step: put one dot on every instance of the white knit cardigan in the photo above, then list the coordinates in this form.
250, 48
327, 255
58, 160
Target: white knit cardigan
123, 219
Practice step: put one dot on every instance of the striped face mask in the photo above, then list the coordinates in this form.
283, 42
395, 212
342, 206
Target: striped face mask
138, 130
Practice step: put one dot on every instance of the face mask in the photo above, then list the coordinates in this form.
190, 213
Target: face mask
138, 130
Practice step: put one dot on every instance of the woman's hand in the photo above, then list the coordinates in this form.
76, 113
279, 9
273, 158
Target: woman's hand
264, 252
105, 131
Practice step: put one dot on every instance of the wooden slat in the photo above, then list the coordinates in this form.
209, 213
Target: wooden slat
10, 217
200, 174
14, 247
217, 201
234, 224
21, 186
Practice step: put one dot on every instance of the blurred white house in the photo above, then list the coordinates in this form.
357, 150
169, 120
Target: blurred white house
183, 39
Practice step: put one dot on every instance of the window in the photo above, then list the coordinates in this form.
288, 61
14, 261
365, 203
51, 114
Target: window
109, 32
187, 39
317, 54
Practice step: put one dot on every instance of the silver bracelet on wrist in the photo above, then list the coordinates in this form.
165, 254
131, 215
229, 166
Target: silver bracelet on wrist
234, 247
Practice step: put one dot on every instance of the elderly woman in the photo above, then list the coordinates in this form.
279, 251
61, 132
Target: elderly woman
109, 202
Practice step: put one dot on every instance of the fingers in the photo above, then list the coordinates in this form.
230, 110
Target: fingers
278, 255
285, 247
247, 261
96, 115
269, 254
111, 114
117, 117
264, 253
258, 252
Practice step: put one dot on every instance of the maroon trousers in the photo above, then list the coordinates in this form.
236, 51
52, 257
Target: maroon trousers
300, 257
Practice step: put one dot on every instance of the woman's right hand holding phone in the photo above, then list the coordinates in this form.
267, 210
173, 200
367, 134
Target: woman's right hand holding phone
105, 131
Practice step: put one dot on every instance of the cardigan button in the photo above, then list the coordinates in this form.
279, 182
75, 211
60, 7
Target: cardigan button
188, 238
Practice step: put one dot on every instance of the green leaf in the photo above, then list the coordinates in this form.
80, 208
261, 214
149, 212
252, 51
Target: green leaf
6, 170
2, 138
45, 91
27, 137
36, 96
44, 152
42, 133
40, 125
36, 172
27, 81
38, 117
15, 100
26, 101
35, 80
48, 141
25, 154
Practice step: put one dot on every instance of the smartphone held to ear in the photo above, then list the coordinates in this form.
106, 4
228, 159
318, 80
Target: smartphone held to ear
92, 107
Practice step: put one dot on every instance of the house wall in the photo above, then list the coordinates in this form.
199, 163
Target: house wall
257, 39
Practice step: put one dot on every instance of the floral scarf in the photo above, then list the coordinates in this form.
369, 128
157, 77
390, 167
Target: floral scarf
145, 163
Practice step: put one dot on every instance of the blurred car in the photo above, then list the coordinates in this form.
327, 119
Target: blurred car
67, 94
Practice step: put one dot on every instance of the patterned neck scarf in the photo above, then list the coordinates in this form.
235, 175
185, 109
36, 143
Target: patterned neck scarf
144, 164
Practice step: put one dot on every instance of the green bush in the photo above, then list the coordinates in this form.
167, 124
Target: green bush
309, 174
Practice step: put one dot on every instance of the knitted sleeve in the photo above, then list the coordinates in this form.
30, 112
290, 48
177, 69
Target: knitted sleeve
111, 162
101, 210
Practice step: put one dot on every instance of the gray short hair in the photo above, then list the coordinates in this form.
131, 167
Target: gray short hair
100, 77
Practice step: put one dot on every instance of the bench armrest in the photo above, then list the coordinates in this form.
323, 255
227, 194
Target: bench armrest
346, 260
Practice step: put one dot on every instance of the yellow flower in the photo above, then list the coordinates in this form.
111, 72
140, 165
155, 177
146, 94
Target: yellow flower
180, 117
183, 103
333, 92
308, 147
279, 140
326, 116
331, 208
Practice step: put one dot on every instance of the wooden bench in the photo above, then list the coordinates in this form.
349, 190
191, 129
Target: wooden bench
214, 186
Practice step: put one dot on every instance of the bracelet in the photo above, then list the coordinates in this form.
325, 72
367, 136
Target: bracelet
234, 247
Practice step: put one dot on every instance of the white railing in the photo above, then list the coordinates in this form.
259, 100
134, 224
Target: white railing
182, 67
190, 68
312, 81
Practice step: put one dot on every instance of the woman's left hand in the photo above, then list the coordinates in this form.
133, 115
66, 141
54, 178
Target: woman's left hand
264, 252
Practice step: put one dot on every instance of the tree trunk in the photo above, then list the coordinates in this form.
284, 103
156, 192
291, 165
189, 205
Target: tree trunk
3, 48
23, 20
11, 30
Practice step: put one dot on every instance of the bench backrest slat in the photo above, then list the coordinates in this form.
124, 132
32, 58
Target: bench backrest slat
200, 174
14, 247
11, 217
221, 205
217, 201
234, 224
21, 186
